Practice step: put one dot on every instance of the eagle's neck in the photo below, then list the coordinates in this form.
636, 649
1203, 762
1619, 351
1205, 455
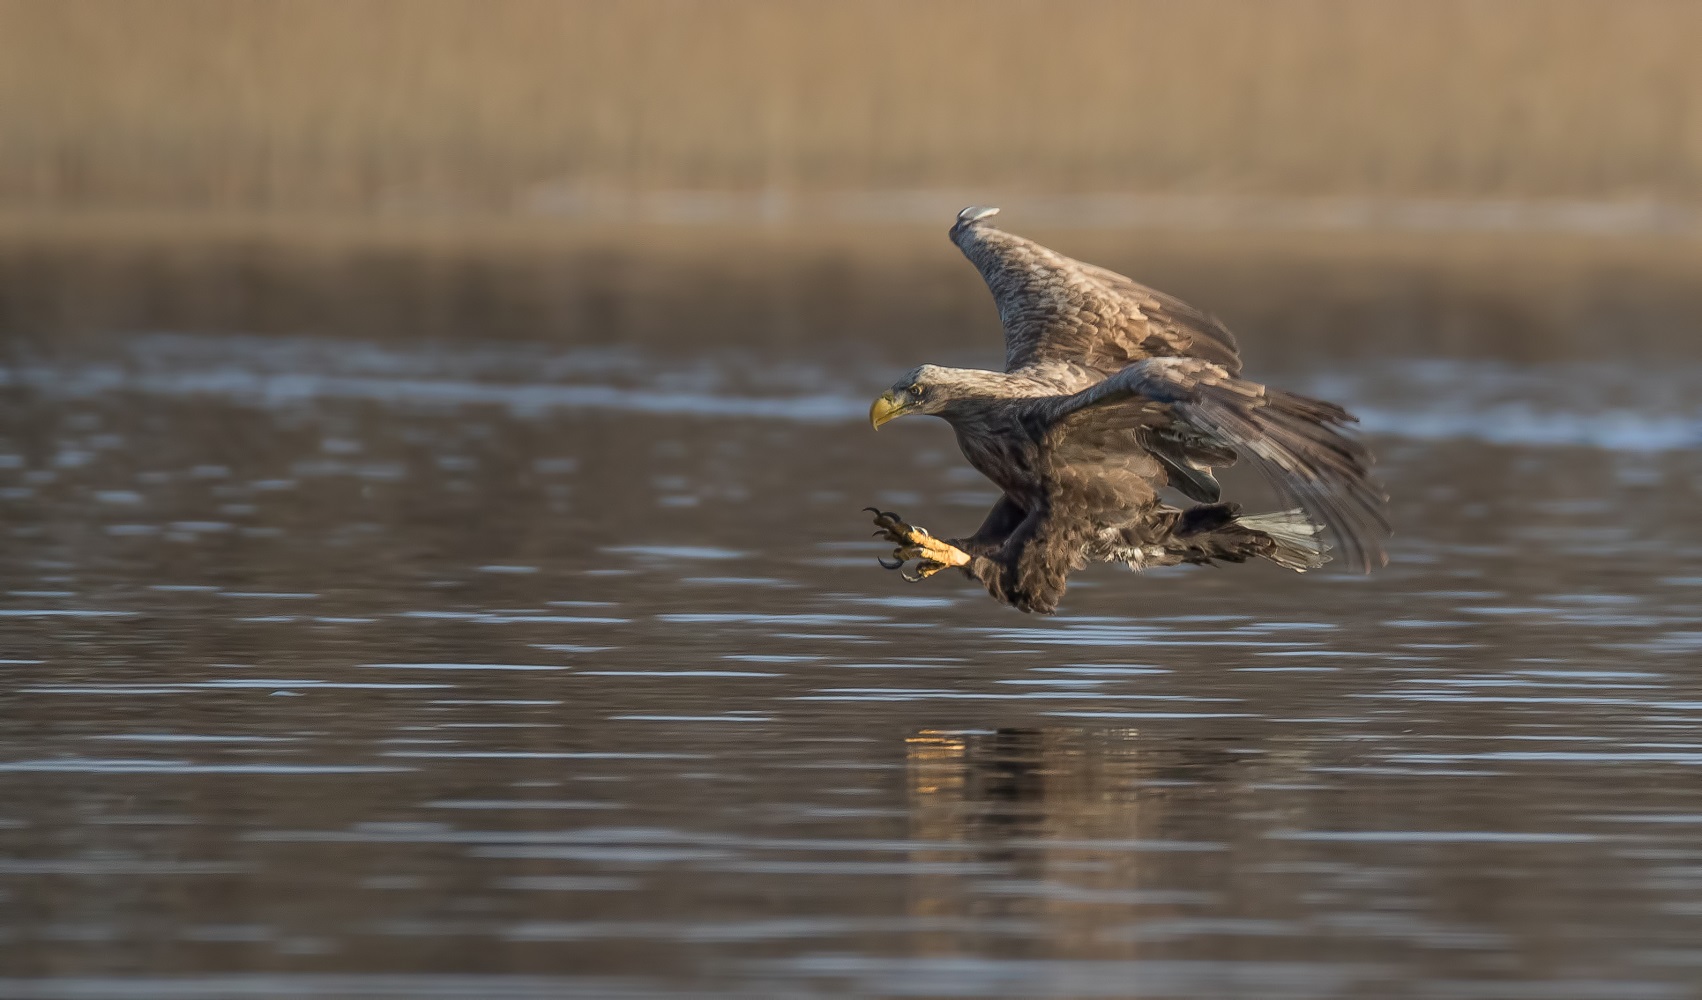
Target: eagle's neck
984, 410
974, 394
999, 451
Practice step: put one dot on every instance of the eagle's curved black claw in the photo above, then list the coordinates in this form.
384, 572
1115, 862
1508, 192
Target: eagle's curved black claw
931, 555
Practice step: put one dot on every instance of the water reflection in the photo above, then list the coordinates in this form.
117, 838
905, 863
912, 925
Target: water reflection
1616, 404
1074, 827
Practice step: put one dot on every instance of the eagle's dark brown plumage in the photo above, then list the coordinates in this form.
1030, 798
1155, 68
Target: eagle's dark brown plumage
1110, 391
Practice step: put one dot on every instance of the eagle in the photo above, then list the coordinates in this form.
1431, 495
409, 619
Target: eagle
1111, 391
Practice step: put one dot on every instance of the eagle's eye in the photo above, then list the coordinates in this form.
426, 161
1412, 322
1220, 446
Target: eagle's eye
916, 390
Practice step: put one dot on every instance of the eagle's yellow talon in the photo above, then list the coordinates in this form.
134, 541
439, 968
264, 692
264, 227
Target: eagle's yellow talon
931, 554
923, 570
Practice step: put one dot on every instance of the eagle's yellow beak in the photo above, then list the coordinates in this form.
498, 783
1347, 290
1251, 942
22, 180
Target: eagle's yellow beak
885, 408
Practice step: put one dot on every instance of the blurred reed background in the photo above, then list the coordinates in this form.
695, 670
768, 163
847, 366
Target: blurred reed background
1530, 135
284, 105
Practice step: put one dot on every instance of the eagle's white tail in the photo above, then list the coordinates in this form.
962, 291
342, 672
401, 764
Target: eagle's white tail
1300, 544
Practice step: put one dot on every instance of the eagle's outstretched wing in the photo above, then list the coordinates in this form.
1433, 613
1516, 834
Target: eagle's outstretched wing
1054, 308
1296, 442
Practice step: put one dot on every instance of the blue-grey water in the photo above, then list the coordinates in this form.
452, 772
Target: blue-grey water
337, 668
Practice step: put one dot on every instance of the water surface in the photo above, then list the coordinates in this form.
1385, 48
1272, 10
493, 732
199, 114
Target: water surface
337, 669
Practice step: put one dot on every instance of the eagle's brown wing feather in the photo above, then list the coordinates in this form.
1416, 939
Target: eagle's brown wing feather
1298, 443
1056, 309
1110, 437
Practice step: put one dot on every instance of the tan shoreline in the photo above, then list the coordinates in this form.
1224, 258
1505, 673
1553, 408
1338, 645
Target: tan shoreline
1516, 296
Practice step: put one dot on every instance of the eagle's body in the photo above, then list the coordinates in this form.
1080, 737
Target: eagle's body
1112, 390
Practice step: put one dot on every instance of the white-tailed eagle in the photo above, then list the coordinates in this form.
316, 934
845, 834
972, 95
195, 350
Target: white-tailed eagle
1110, 391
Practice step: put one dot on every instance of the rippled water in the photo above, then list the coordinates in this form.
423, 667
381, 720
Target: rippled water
334, 670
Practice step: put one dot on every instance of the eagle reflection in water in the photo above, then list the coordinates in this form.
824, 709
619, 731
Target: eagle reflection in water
1082, 830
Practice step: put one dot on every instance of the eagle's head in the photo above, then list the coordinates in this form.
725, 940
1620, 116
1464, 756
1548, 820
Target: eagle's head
933, 389
921, 390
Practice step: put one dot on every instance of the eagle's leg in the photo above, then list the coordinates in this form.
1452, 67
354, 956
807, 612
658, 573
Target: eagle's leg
932, 555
